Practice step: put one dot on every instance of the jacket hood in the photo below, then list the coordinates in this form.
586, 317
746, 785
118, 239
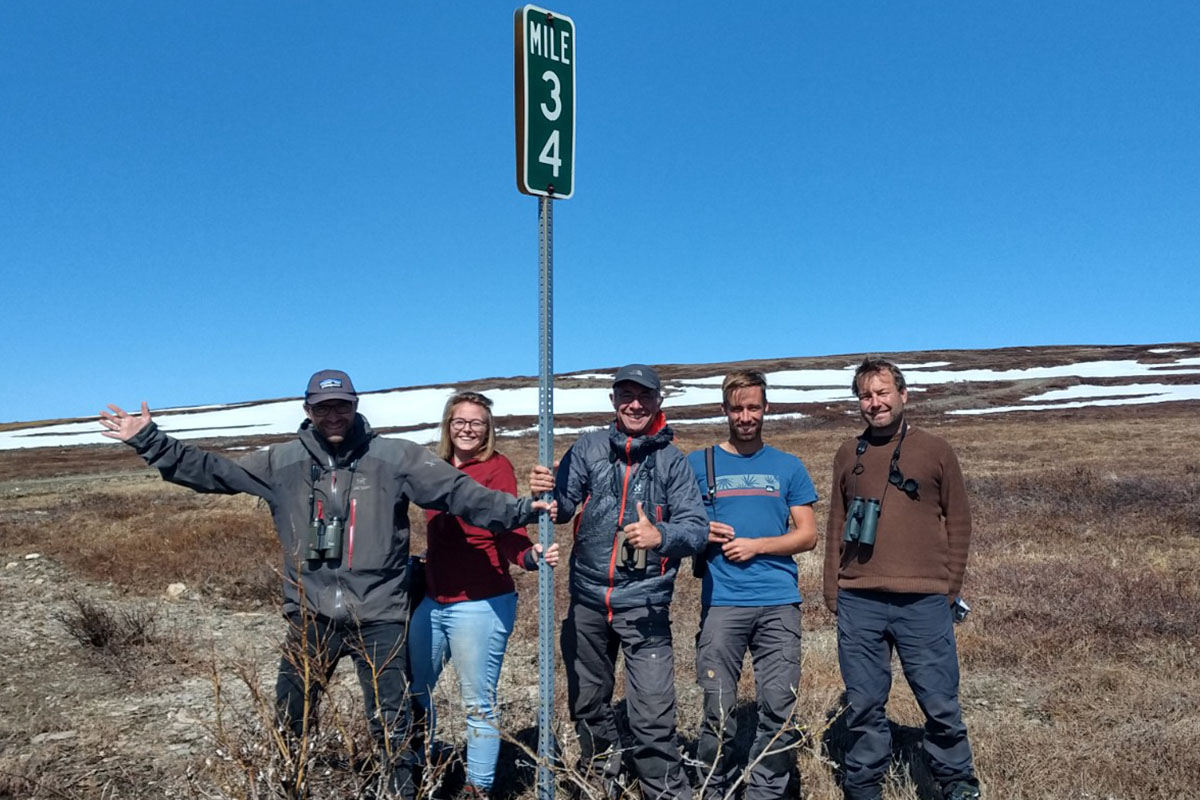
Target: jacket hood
660, 436
357, 439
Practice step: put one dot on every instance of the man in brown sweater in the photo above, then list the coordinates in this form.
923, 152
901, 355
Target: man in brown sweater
892, 574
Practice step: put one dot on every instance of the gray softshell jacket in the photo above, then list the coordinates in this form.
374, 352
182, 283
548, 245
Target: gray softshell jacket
608, 473
368, 483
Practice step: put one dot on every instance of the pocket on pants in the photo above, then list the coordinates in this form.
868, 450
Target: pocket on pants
793, 624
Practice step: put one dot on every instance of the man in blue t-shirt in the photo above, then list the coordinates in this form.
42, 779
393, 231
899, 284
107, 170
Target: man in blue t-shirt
750, 595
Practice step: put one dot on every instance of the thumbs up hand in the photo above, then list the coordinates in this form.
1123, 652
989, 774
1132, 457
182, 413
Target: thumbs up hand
642, 534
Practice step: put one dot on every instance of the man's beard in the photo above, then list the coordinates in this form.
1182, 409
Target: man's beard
746, 435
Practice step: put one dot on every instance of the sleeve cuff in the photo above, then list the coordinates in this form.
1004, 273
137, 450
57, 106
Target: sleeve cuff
530, 560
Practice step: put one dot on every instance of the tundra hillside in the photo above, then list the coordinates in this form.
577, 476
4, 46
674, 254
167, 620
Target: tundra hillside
1079, 660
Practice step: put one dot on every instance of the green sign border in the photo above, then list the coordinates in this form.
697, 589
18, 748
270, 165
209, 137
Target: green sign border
525, 109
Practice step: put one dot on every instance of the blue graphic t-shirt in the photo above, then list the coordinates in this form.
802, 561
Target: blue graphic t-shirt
754, 495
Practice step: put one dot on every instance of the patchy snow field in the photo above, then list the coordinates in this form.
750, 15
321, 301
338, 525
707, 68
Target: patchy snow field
418, 410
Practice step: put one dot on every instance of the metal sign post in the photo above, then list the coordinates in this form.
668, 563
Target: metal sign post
544, 80
546, 618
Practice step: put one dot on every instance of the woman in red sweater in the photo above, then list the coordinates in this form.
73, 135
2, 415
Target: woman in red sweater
470, 604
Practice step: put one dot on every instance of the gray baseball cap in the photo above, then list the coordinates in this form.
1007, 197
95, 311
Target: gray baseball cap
639, 374
329, 384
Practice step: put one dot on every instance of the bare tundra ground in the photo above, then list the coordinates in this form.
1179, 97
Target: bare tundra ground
1079, 661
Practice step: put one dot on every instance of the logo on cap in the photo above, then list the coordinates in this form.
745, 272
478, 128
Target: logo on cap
331, 383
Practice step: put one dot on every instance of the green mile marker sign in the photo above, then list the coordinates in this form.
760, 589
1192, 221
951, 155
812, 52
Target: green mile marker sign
544, 44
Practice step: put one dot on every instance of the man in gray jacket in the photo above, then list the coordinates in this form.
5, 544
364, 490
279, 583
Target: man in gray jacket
640, 513
339, 497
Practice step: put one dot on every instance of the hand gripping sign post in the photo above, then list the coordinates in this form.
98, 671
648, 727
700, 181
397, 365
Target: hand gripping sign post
544, 46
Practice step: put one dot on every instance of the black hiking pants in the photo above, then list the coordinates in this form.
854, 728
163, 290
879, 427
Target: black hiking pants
590, 643
313, 649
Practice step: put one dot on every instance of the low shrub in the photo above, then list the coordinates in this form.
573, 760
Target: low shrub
110, 630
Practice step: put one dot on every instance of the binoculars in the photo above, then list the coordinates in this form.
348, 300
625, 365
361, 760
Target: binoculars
631, 557
325, 540
861, 518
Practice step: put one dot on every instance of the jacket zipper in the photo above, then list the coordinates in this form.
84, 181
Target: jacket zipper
662, 560
612, 559
350, 534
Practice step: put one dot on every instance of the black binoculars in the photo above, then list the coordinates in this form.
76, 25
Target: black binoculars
325, 540
861, 518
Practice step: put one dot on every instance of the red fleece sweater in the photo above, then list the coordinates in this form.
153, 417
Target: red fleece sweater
469, 563
921, 543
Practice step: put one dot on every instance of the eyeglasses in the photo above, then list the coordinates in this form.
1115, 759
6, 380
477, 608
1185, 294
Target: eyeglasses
325, 409
476, 425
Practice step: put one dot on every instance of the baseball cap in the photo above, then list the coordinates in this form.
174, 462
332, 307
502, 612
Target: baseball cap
639, 374
329, 384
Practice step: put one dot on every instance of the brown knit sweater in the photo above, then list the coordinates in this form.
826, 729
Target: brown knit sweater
920, 544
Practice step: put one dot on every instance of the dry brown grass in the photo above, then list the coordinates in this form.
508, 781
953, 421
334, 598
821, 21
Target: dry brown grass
143, 534
1079, 677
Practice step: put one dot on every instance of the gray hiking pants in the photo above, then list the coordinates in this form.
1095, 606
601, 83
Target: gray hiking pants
590, 642
772, 634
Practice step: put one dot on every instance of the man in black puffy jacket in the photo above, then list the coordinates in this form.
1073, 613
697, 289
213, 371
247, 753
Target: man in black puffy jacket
639, 514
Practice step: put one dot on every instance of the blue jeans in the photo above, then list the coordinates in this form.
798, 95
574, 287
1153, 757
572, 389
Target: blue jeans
921, 629
474, 633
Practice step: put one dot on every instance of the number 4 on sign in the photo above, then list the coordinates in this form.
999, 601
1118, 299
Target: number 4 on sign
549, 154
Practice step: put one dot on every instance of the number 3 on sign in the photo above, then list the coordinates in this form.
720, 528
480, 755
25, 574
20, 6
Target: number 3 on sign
549, 76
549, 154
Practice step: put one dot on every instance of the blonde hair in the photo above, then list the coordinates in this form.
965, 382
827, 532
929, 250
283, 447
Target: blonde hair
743, 379
446, 447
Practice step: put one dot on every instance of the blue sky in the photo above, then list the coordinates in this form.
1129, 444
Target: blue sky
205, 202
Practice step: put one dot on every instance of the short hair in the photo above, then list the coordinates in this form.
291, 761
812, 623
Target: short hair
743, 379
874, 366
446, 447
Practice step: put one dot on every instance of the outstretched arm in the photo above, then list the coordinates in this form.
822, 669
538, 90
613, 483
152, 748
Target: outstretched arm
567, 480
433, 484
185, 464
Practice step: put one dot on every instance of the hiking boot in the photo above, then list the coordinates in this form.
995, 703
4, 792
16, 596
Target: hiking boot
400, 782
961, 790
612, 776
473, 792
